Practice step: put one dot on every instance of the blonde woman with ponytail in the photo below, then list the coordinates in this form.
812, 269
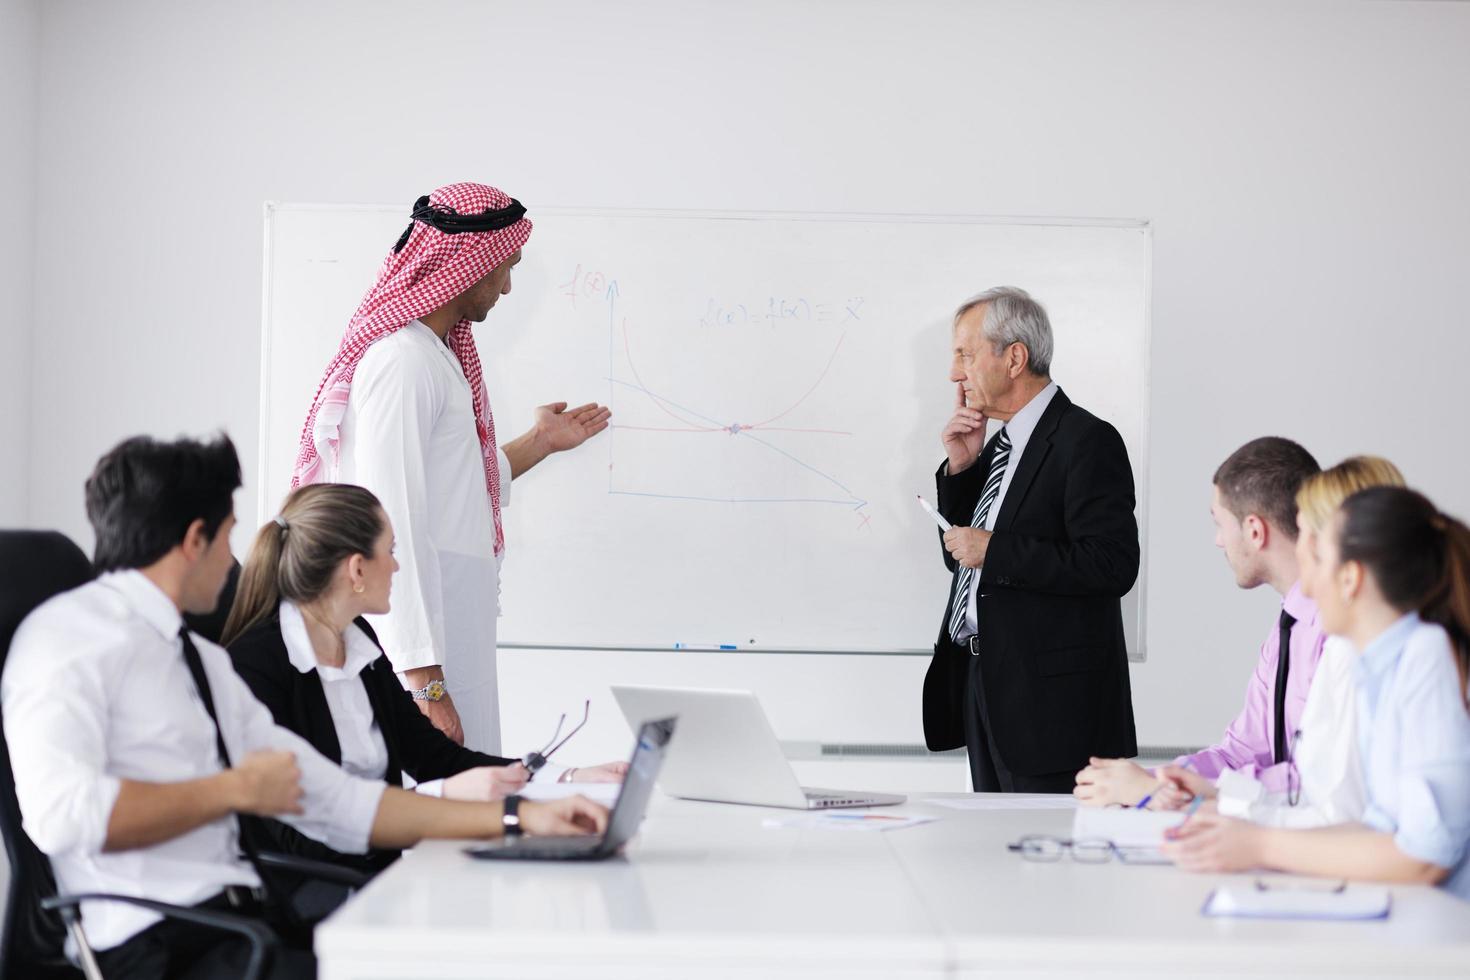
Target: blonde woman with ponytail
1391, 574
297, 636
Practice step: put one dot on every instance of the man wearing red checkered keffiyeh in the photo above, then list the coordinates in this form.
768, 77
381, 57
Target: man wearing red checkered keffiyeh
402, 410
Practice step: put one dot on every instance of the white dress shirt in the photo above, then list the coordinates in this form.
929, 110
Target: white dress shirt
1324, 753
1019, 430
409, 435
96, 691
364, 750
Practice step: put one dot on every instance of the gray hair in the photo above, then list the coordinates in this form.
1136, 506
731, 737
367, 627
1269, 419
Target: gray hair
1013, 317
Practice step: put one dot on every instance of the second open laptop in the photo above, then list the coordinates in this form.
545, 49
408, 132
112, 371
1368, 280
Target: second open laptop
622, 824
727, 751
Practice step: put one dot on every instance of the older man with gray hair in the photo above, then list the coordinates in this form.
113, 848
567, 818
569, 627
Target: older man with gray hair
1030, 671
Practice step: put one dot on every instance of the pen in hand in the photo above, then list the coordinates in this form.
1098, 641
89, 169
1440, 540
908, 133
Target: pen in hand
1163, 784
938, 517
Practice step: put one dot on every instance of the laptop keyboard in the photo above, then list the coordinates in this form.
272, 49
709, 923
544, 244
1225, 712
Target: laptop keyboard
554, 847
550, 848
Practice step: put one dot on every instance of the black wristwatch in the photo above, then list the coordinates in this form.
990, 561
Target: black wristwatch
511, 821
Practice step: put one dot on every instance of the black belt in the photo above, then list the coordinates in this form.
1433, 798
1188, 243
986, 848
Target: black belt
237, 898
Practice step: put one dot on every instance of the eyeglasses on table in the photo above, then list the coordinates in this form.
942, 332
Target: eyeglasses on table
1095, 850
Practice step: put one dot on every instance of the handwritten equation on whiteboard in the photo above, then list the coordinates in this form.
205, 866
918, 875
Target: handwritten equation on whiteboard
593, 290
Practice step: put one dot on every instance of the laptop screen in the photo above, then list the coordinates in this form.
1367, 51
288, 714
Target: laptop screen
648, 757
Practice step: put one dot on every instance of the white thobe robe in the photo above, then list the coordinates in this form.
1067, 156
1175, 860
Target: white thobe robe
409, 436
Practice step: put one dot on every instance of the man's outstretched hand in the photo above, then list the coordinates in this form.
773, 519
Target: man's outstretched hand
559, 428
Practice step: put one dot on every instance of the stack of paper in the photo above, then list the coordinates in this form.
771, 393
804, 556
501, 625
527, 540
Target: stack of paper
1125, 828
1254, 902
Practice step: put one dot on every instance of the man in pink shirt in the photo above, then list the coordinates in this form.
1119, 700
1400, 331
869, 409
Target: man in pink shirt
1254, 508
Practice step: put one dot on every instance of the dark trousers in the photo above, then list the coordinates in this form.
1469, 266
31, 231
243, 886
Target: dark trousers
172, 948
988, 772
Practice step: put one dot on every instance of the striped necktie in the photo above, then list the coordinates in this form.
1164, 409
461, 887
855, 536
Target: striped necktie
965, 577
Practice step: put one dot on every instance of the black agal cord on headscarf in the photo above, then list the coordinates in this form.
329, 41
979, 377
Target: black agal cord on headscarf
451, 222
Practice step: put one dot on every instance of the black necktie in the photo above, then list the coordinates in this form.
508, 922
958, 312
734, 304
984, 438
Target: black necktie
289, 918
1283, 664
201, 683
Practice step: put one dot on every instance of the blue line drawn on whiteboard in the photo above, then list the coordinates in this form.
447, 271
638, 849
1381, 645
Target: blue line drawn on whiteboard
692, 421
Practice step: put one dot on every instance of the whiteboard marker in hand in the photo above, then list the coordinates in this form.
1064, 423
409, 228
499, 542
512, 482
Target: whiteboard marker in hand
938, 517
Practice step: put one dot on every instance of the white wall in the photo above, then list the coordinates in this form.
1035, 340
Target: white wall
1303, 163
19, 38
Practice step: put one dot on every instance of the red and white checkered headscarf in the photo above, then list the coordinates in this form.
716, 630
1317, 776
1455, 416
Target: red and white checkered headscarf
430, 270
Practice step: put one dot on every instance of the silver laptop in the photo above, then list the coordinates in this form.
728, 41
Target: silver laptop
726, 751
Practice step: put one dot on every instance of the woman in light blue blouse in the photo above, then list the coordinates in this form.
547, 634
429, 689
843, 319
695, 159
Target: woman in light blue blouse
1393, 577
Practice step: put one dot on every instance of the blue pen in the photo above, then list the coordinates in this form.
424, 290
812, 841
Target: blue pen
1188, 763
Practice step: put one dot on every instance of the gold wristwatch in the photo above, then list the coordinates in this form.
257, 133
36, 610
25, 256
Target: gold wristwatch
432, 691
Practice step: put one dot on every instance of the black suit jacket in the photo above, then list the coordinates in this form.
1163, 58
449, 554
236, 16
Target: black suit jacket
298, 702
1052, 660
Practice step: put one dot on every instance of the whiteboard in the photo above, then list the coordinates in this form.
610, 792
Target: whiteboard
778, 383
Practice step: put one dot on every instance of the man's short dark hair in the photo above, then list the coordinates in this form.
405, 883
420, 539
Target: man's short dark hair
1262, 478
143, 495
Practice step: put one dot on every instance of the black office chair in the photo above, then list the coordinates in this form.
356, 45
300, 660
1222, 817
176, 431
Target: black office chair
34, 566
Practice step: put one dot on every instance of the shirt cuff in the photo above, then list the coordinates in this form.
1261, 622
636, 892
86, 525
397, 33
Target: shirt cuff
1433, 846
1203, 763
414, 659
502, 462
1423, 832
434, 787
94, 835
1237, 792
357, 810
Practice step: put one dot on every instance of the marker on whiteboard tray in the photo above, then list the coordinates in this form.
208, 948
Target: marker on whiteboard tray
938, 517
705, 646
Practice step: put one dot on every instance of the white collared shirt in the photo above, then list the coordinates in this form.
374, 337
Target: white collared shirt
96, 691
364, 750
1019, 429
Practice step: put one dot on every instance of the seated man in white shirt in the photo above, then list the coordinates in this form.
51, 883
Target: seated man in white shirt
135, 745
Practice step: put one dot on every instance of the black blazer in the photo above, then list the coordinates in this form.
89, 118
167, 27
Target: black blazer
1052, 660
298, 702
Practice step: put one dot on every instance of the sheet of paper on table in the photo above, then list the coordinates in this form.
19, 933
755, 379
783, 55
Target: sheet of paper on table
604, 793
848, 821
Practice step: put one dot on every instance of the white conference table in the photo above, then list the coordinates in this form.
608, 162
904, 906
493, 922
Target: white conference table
707, 891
